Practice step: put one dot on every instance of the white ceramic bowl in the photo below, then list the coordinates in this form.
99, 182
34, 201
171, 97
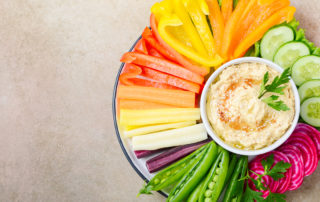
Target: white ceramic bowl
216, 138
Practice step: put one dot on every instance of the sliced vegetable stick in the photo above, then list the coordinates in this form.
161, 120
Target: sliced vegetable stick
178, 98
157, 116
226, 9
231, 25
154, 52
179, 58
149, 38
156, 128
141, 47
162, 65
138, 104
171, 80
217, 23
285, 14
169, 138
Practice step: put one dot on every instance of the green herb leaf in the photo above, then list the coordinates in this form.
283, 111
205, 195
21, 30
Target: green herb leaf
276, 104
251, 195
277, 170
275, 197
268, 162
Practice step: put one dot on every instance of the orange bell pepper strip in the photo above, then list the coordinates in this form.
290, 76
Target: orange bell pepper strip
226, 9
169, 79
162, 65
141, 47
283, 15
138, 104
217, 23
201, 70
230, 28
178, 98
149, 38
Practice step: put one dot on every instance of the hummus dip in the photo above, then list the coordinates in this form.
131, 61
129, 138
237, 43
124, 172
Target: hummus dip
236, 114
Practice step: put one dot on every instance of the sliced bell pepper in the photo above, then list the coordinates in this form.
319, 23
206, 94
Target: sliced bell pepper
129, 76
188, 27
204, 6
169, 79
217, 23
200, 22
149, 38
162, 8
172, 21
231, 27
226, 9
283, 15
141, 47
162, 65
179, 58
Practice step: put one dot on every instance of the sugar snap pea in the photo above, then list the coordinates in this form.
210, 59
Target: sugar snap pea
235, 188
173, 173
194, 196
215, 179
233, 159
194, 175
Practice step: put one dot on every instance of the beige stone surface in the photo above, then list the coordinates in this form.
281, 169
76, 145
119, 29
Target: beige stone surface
58, 63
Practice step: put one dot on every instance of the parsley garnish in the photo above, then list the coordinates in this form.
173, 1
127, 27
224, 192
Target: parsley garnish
276, 172
275, 87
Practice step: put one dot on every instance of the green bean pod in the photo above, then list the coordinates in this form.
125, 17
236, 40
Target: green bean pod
194, 175
173, 173
233, 159
235, 188
214, 181
194, 196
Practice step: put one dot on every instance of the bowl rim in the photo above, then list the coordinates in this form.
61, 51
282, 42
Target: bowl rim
207, 124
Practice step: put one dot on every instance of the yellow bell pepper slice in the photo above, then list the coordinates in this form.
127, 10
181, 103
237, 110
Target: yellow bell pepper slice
164, 25
189, 28
162, 8
200, 22
204, 6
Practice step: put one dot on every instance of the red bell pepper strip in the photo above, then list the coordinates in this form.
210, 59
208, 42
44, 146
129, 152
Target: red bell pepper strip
169, 79
129, 75
161, 65
141, 47
149, 38
178, 57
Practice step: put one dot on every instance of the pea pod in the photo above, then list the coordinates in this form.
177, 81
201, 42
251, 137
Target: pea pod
173, 173
214, 181
235, 188
194, 196
194, 175
232, 163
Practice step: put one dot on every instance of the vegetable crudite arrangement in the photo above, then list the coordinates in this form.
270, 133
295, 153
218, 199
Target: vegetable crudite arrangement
207, 101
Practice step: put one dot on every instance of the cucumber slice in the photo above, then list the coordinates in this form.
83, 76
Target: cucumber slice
309, 89
289, 52
305, 69
310, 111
274, 38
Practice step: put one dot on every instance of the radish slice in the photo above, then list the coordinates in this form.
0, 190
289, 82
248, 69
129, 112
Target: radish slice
265, 180
272, 184
312, 132
296, 160
308, 151
278, 156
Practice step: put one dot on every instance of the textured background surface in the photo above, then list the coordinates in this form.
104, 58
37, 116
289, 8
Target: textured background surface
58, 63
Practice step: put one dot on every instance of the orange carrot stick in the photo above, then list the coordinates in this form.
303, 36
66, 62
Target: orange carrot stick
169, 79
226, 9
178, 98
141, 47
285, 14
138, 104
179, 58
217, 23
162, 65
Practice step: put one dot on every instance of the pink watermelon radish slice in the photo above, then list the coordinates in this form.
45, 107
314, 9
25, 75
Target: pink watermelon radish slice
296, 160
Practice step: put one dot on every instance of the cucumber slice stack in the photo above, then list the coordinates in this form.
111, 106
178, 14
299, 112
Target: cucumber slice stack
310, 111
